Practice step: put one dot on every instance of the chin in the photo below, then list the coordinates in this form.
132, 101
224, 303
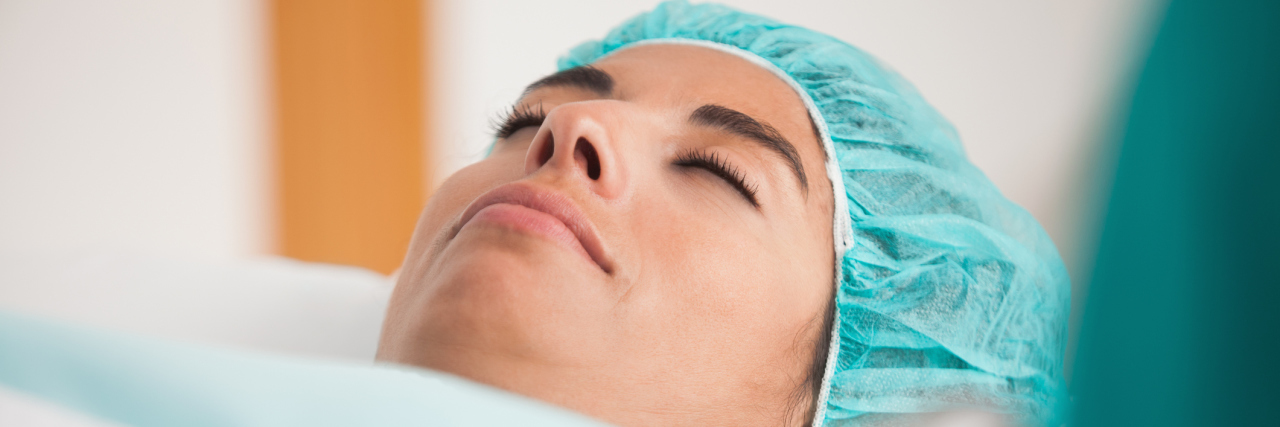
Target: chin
499, 291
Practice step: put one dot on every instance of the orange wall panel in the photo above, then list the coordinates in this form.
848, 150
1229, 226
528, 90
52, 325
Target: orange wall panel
349, 132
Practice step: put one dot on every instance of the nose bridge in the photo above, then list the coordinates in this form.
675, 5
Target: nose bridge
578, 140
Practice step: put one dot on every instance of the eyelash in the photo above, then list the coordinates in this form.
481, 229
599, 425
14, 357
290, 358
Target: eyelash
718, 166
518, 117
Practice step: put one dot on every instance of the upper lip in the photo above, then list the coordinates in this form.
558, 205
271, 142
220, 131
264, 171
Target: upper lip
550, 203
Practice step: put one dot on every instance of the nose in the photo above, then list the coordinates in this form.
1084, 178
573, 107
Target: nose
576, 140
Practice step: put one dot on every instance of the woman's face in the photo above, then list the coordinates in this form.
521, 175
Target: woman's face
657, 249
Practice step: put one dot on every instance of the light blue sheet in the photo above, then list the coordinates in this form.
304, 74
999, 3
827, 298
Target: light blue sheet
145, 382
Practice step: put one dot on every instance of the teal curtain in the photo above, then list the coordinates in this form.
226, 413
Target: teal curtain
1182, 321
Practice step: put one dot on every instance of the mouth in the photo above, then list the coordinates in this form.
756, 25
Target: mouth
538, 211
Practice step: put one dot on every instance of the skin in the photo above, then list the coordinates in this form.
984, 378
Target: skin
710, 309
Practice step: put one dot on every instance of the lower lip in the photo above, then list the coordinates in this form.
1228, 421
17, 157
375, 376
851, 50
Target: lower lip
524, 219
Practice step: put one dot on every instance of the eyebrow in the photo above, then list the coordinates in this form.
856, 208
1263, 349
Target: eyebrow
735, 122
584, 77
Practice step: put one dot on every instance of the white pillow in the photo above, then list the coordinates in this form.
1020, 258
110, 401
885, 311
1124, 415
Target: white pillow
273, 304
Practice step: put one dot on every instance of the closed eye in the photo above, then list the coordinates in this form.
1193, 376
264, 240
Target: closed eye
519, 117
718, 166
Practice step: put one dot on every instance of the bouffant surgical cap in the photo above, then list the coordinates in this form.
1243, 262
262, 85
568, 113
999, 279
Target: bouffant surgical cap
948, 296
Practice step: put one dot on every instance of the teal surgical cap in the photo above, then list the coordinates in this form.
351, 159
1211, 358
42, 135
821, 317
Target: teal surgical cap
948, 295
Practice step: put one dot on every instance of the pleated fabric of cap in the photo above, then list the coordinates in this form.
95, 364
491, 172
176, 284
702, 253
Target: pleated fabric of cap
949, 296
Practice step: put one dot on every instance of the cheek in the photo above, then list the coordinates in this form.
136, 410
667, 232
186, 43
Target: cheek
715, 285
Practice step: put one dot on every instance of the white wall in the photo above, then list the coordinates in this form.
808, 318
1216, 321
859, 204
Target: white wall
1027, 83
133, 125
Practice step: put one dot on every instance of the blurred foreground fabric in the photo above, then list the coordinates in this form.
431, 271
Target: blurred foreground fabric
140, 381
1181, 317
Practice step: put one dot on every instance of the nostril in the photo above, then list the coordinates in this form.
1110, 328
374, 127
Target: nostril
548, 149
589, 156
